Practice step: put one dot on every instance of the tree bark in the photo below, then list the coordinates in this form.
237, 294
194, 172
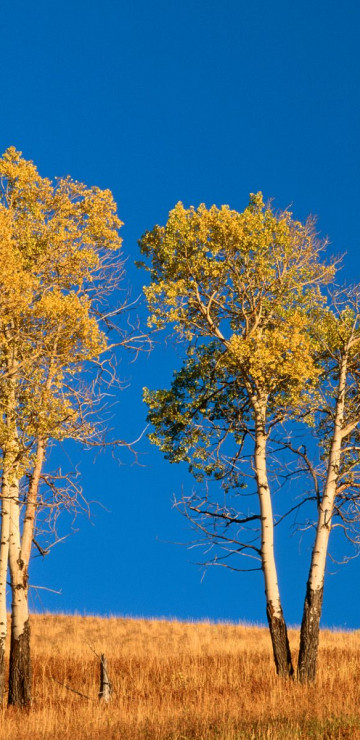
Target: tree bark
310, 625
4, 557
20, 550
8, 479
276, 621
309, 634
20, 674
31, 504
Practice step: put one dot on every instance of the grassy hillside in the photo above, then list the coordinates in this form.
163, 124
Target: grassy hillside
179, 681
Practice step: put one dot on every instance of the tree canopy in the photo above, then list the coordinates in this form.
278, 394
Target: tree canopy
240, 290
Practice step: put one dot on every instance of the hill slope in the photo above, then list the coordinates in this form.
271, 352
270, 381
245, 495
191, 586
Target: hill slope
181, 681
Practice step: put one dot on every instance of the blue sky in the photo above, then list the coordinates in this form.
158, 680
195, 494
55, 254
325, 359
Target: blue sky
200, 102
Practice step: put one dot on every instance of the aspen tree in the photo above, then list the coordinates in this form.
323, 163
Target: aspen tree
237, 289
338, 432
15, 294
60, 248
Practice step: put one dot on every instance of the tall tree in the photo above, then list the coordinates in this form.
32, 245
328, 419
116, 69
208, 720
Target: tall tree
338, 433
61, 259
238, 289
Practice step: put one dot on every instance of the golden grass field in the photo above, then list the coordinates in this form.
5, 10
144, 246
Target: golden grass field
181, 681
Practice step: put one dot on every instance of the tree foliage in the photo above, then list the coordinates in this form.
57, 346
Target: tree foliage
59, 244
240, 290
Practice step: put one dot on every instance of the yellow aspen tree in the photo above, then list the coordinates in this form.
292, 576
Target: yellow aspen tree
238, 289
60, 250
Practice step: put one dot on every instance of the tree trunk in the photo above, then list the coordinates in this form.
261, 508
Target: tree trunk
8, 479
280, 641
309, 635
31, 504
310, 625
19, 556
20, 657
4, 557
276, 621
20, 676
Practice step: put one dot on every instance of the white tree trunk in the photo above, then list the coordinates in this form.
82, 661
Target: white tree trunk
31, 504
277, 625
4, 558
310, 626
20, 662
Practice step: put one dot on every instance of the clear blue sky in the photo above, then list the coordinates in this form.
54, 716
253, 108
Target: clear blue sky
198, 101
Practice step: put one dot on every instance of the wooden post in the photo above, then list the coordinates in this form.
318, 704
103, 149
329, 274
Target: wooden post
105, 685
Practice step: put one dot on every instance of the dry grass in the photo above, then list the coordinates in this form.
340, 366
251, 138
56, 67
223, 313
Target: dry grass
176, 681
